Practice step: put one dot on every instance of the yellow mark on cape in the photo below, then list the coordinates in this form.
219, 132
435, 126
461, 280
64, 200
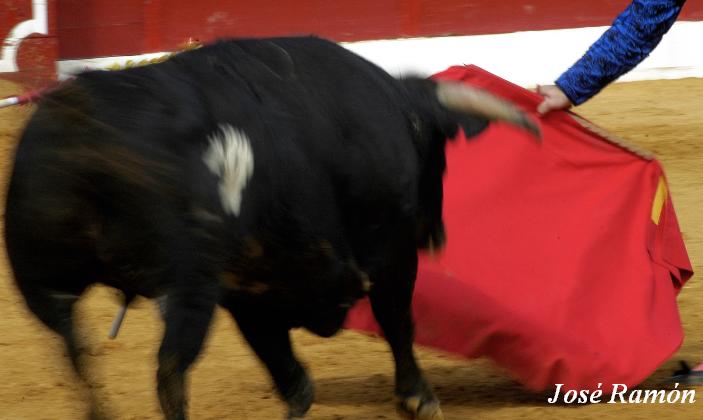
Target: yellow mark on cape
659, 200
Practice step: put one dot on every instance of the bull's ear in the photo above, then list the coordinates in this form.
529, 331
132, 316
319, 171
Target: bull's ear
423, 94
472, 125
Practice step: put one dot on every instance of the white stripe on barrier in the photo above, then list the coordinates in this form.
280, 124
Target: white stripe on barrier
525, 58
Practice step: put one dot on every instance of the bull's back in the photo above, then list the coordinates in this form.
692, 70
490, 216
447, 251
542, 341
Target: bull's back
333, 99
353, 116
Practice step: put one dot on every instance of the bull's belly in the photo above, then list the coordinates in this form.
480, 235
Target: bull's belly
323, 319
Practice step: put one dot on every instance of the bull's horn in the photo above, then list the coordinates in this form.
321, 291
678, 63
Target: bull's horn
462, 98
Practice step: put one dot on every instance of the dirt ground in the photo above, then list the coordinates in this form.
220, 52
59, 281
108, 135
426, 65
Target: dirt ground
353, 373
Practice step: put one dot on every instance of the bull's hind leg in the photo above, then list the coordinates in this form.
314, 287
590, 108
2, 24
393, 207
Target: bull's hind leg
270, 341
55, 310
391, 298
187, 313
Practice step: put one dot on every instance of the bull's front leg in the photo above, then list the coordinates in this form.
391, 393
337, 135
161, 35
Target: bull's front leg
187, 313
270, 340
391, 297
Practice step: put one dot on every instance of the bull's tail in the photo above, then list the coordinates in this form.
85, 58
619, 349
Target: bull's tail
50, 228
51, 276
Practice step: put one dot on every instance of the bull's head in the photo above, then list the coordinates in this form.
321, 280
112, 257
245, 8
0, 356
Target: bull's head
438, 110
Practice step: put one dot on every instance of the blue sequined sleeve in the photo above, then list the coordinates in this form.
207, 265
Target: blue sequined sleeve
633, 35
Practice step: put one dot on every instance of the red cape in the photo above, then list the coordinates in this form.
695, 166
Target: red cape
563, 259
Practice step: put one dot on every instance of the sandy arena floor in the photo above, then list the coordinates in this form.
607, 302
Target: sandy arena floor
353, 373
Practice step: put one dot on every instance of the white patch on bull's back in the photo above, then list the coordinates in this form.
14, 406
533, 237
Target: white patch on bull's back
229, 156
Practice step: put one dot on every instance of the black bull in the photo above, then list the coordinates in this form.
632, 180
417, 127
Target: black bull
281, 178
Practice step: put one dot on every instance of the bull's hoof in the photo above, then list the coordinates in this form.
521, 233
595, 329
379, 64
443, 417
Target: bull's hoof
417, 409
98, 414
98, 409
299, 403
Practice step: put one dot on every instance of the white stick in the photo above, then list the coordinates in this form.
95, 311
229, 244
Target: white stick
611, 138
14, 100
117, 323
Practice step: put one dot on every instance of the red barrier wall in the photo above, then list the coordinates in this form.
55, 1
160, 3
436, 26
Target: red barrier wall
90, 28
94, 28
37, 54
